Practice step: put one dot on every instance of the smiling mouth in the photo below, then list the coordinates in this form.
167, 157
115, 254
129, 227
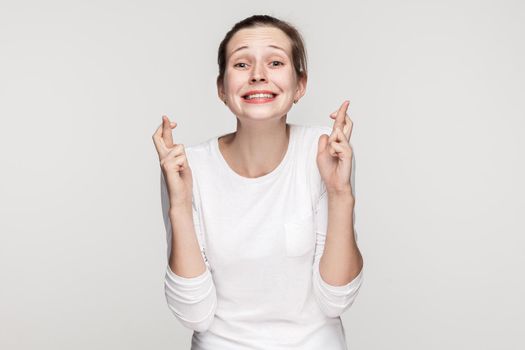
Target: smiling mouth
259, 97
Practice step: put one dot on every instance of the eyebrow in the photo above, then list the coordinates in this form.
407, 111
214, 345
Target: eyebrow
245, 47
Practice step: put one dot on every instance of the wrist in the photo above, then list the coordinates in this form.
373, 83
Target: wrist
341, 197
345, 192
176, 209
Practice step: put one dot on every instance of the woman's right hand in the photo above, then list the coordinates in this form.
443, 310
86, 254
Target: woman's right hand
174, 164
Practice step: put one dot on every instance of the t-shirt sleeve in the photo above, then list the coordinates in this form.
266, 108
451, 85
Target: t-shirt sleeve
333, 300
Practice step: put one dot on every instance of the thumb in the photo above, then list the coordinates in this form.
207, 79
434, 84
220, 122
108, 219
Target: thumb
321, 144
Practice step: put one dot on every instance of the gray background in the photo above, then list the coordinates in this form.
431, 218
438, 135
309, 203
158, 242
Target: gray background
436, 91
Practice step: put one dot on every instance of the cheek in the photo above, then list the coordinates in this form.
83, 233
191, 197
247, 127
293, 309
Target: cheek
285, 82
233, 82
284, 77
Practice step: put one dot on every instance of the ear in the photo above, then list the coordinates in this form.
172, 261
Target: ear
220, 89
301, 87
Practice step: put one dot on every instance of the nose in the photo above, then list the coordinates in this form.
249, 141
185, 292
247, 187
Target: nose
257, 74
255, 79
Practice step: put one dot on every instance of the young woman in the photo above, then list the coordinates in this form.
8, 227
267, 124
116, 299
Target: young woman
260, 222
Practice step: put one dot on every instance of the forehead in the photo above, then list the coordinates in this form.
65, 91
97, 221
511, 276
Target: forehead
258, 37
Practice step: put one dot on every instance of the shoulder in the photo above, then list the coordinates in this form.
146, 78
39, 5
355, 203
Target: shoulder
198, 147
308, 135
308, 138
311, 131
319, 129
199, 152
308, 143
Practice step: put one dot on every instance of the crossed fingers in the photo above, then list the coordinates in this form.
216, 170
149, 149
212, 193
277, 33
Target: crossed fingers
162, 138
343, 123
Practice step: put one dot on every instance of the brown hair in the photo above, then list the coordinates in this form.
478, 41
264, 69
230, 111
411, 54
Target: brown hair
298, 47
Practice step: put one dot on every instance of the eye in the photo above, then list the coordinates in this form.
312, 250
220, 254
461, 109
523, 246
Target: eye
280, 63
237, 64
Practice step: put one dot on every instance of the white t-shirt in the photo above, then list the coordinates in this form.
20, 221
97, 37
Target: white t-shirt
261, 239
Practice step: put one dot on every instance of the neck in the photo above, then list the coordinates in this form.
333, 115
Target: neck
257, 147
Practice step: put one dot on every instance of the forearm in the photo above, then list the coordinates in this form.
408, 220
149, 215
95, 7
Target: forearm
341, 261
185, 258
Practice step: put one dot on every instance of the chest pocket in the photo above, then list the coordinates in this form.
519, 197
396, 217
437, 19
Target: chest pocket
300, 235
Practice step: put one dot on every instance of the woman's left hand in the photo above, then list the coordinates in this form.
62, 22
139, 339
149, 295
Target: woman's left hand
334, 154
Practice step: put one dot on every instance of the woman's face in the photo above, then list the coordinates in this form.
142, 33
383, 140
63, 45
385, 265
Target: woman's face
260, 59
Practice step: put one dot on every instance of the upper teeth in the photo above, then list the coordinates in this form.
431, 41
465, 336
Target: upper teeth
260, 96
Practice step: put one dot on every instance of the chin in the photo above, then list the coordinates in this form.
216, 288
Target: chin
262, 115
